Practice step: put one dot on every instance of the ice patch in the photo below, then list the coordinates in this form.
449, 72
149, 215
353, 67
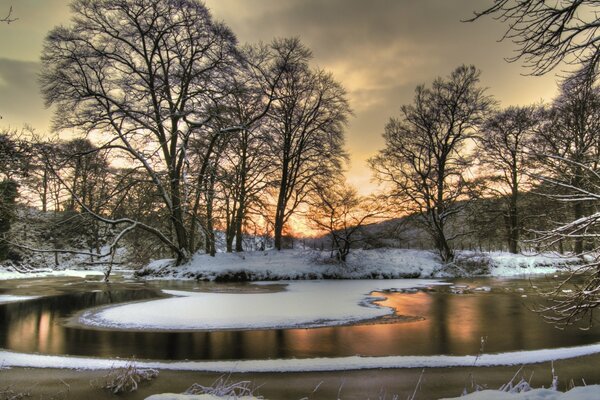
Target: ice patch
302, 304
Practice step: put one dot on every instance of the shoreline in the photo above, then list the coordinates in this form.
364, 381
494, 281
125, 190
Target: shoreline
351, 385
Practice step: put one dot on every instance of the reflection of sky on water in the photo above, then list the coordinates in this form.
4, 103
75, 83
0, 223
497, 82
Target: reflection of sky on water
453, 324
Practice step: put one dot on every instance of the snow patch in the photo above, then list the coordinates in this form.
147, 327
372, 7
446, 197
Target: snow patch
173, 396
591, 392
301, 304
383, 263
48, 273
13, 359
7, 298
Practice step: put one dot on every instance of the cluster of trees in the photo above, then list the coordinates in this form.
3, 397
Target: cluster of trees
185, 130
453, 146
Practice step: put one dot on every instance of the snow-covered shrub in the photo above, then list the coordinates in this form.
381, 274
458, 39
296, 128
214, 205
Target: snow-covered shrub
223, 387
126, 379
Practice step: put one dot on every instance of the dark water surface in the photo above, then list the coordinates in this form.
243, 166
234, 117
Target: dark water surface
451, 324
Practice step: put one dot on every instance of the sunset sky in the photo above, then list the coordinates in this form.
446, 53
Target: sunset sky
378, 49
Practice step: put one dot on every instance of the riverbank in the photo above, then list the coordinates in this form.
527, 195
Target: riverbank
385, 263
346, 385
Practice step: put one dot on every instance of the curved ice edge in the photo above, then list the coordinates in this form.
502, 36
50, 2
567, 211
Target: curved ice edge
13, 359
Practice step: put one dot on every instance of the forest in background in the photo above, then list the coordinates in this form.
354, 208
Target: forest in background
181, 140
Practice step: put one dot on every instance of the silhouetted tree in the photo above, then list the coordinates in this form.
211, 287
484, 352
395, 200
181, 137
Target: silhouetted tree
567, 142
8, 196
149, 76
504, 138
337, 209
550, 32
424, 162
307, 121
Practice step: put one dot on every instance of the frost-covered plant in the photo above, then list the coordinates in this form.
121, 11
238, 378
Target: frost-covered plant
126, 379
223, 387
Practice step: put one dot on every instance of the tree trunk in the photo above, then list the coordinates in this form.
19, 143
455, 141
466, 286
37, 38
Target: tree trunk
281, 205
513, 229
45, 191
278, 230
239, 222
578, 213
443, 247
210, 246
513, 213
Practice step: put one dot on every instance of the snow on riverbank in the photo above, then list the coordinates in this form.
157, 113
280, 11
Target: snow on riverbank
301, 304
172, 396
13, 359
361, 264
7, 298
591, 392
48, 273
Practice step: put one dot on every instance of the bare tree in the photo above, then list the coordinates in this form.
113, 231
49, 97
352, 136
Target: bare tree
549, 32
337, 209
247, 163
148, 77
424, 162
577, 295
504, 138
567, 141
307, 122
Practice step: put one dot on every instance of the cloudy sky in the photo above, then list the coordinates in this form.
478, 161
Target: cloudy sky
379, 49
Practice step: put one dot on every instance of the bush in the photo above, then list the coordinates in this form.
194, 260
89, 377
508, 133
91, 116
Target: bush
125, 379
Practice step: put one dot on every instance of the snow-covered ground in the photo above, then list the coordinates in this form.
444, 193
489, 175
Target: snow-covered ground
302, 304
48, 273
591, 392
361, 264
350, 363
173, 396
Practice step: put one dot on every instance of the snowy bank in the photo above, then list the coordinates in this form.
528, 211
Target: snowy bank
173, 396
591, 392
7, 298
384, 263
351, 363
299, 305
6, 274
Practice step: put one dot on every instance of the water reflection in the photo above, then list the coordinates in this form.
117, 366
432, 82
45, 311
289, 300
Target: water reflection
452, 324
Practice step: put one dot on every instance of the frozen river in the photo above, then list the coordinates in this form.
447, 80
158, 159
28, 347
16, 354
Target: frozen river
430, 320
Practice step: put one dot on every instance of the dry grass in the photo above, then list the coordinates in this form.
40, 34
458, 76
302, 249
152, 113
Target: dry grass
223, 387
125, 379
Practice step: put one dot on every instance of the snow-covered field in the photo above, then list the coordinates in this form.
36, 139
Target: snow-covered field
302, 304
361, 264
